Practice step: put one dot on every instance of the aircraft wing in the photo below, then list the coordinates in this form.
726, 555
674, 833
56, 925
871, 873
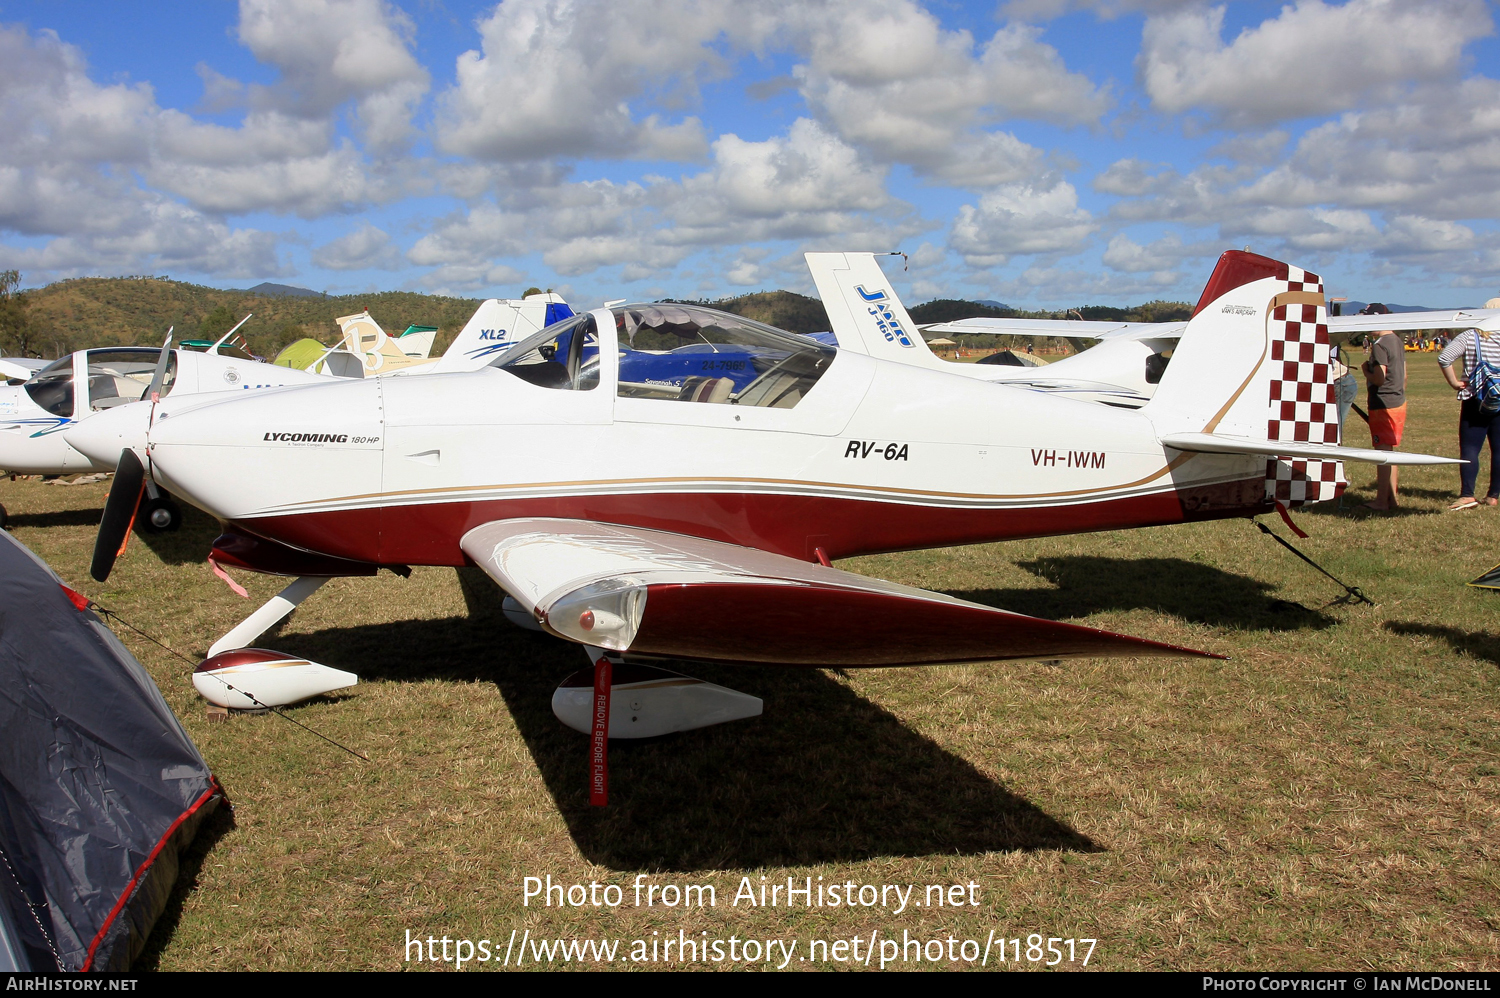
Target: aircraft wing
1339, 326
1069, 328
20, 367
649, 593
1487, 319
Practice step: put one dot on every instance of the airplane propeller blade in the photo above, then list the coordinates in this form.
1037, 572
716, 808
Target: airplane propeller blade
119, 513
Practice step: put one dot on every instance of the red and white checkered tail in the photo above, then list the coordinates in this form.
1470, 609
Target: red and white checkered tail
1302, 405
1253, 364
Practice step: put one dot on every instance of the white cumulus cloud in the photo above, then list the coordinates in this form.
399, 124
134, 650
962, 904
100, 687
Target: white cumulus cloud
1312, 59
556, 77
1021, 219
331, 52
366, 248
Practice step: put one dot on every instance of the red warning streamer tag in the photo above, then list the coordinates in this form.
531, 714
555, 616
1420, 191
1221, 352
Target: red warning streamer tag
599, 745
1287, 519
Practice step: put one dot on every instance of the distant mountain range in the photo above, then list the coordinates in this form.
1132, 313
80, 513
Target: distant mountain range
269, 290
1352, 307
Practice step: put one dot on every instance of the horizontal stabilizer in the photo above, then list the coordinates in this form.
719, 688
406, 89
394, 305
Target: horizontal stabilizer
1220, 443
649, 593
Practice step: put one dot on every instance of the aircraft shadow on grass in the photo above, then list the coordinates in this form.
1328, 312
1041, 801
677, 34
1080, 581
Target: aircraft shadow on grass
823, 776
1174, 586
1355, 497
57, 518
1480, 644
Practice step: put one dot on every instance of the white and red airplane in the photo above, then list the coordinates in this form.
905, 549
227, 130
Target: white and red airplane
633, 519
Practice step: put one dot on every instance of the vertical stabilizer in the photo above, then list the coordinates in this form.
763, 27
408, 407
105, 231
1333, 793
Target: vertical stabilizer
495, 326
379, 352
864, 311
1254, 363
416, 342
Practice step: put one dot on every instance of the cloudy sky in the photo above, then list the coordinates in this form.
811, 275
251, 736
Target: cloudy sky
1042, 152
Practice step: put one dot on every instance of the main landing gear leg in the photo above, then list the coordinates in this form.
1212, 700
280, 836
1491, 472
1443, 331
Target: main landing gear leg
261, 620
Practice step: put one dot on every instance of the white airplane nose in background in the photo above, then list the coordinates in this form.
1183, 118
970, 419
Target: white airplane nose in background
103, 435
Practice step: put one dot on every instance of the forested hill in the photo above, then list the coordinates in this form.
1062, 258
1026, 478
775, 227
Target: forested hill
95, 311
802, 314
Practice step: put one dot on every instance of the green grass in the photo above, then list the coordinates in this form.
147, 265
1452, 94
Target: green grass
1326, 798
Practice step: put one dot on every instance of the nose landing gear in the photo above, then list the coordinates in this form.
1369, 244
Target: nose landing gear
159, 515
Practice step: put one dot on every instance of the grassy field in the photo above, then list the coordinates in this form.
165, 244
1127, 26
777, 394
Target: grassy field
1326, 798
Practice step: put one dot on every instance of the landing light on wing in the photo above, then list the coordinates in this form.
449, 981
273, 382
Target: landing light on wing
605, 615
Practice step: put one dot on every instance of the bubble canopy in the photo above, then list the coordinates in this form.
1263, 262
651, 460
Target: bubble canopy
672, 352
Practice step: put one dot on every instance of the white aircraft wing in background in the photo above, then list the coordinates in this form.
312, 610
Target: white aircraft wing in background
1070, 328
1341, 327
21, 367
867, 317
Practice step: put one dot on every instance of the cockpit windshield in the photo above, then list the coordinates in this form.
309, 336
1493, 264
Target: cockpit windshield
687, 353
116, 375
52, 387
564, 355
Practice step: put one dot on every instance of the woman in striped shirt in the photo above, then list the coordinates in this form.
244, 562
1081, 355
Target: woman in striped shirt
1475, 425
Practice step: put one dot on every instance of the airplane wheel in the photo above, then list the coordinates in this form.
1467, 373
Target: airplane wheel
159, 515
4, 519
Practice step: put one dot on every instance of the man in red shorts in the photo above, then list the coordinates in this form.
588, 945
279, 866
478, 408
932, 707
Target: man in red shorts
1385, 372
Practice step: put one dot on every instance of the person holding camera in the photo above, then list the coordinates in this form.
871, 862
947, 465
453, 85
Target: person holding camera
1479, 412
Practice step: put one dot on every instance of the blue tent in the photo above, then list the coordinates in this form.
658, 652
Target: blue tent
101, 789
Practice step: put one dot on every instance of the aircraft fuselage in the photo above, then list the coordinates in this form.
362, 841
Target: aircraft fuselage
877, 456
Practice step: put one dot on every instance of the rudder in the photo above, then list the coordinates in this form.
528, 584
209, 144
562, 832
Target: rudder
1303, 405
1255, 363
